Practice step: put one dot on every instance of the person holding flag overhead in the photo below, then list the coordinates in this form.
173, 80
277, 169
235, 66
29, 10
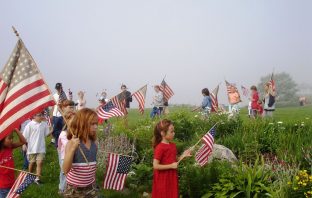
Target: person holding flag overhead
7, 176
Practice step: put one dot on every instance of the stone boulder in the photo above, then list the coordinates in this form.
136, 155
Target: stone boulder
221, 152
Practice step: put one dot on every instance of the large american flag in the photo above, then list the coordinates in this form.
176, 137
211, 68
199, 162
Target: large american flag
214, 99
232, 91
203, 153
164, 87
245, 91
21, 183
140, 97
120, 102
23, 91
108, 110
116, 171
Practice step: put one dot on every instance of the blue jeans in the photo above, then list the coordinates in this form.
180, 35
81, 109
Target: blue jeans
26, 163
62, 183
4, 192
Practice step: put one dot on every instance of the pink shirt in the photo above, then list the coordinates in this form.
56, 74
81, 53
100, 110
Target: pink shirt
62, 141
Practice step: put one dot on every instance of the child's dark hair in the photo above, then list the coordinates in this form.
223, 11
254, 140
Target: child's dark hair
253, 88
162, 125
205, 91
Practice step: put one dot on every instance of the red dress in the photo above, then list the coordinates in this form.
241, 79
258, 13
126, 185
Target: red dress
165, 182
7, 177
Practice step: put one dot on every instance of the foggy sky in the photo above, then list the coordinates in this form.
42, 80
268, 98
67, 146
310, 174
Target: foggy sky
97, 45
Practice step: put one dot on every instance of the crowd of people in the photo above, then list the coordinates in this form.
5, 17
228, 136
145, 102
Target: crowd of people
74, 128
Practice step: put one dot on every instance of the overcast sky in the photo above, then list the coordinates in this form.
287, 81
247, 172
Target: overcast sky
96, 45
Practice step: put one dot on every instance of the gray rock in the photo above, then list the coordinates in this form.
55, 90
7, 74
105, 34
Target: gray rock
221, 152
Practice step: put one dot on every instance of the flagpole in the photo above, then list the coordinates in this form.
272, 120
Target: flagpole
18, 170
192, 147
201, 137
35, 65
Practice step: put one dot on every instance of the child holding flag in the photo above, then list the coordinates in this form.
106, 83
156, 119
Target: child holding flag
7, 177
165, 163
80, 155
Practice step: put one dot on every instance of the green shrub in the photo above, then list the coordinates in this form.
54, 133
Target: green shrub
251, 180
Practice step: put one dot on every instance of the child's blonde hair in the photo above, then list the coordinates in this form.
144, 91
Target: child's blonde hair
81, 123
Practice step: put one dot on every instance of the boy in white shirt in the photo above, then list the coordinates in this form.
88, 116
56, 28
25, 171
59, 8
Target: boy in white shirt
35, 133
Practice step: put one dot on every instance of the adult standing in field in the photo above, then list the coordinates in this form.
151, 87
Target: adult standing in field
57, 119
269, 100
126, 97
81, 100
158, 102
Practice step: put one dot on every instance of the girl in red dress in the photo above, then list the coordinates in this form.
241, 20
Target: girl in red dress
165, 163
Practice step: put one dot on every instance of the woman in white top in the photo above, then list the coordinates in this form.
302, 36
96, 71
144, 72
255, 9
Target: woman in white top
158, 102
81, 100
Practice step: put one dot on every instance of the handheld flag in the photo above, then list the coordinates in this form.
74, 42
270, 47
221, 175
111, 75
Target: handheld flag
140, 97
117, 170
203, 153
23, 91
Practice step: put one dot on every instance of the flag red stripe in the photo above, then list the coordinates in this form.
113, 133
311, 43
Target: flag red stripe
23, 90
23, 104
21, 119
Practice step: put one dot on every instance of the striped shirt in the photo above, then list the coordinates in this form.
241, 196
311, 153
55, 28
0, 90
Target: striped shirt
82, 174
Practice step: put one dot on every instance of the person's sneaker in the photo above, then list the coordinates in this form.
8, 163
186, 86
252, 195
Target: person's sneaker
37, 181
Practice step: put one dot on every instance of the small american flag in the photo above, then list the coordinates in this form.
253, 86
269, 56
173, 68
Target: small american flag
21, 183
108, 110
214, 99
23, 91
47, 117
203, 153
245, 91
62, 97
117, 170
272, 82
140, 97
120, 102
164, 87
70, 95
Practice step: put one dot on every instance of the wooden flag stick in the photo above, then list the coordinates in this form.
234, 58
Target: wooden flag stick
201, 137
192, 147
18, 170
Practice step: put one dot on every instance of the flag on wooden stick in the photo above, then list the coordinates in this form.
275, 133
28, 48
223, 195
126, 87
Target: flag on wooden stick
245, 91
233, 94
21, 183
23, 91
108, 110
120, 102
214, 99
203, 153
116, 171
167, 91
140, 97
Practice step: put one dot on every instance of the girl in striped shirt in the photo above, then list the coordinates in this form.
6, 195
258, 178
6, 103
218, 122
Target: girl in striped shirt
80, 155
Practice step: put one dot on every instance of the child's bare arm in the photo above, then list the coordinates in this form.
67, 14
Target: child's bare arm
186, 153
21, 138
158, 166
70, 149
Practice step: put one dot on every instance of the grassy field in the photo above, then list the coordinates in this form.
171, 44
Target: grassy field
49, 188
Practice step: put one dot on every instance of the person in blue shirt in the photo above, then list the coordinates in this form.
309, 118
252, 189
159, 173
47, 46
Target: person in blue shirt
206, 104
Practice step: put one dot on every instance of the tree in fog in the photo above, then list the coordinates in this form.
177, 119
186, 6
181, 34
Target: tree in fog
286, 88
